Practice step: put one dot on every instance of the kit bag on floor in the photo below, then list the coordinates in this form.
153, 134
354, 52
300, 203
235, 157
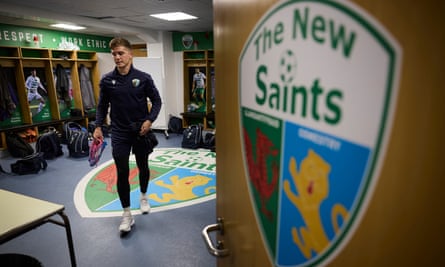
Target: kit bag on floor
2, 170
49, 144
175, 125
78, 144
192, 136
69, 128
17, 146
209, 141
31, 164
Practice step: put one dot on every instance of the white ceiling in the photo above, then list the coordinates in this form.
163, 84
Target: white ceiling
127, 18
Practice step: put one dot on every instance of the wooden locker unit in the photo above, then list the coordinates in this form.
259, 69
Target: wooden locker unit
202, 59
89, 60
10, 58
66, 59
46, 61
210, 94
37, 58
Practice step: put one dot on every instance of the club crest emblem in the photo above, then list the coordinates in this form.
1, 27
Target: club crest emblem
135, 82
312, 76
187, 41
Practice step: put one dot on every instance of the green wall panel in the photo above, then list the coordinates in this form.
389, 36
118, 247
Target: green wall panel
11, 35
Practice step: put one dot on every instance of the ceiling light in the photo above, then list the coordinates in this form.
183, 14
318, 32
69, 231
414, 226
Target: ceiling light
67, 26
172, 16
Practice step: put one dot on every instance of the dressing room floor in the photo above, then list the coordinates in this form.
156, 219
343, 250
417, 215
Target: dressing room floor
161, 239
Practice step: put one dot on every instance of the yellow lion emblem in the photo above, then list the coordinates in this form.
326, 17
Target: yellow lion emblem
181, 188
312, 187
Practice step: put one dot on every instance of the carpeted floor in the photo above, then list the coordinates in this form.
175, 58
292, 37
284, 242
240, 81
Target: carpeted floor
169, 237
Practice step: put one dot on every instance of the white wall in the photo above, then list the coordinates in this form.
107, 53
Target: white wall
173, 71
105, 63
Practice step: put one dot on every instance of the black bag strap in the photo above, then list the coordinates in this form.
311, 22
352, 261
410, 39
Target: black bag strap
2, 171
39, 156
5, 172
43, 162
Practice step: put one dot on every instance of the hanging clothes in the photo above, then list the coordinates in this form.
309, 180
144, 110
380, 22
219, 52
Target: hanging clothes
63, 85
86, 88
8, 99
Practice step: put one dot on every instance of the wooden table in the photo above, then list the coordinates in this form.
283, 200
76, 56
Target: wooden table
21, 214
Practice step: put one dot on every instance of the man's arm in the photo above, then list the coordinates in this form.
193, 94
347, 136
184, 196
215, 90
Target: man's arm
28, 83
42, 87
156, 102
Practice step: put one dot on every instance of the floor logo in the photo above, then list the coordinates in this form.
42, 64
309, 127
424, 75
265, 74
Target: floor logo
179, 177
318, 84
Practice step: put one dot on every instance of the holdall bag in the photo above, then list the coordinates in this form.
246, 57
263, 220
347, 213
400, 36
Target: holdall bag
151, 140
31, 164
175, 125
209, 141
17, 146
49, 144
69, 128
192, 136
78, 145
148, 141
3, 171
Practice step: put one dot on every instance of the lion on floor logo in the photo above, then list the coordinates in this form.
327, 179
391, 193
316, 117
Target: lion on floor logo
178, 177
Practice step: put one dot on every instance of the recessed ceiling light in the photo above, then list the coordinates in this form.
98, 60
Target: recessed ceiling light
172, 16
67, 26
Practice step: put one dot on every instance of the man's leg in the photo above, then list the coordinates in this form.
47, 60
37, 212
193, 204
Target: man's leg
140, 152
42, 102
121, 153
123, 186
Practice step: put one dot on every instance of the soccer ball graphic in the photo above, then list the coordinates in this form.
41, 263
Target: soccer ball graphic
287, 66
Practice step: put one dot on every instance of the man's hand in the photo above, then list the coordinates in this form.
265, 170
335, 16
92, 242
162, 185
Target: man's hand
98, 134
145, 127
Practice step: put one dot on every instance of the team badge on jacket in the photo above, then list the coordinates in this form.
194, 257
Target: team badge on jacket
135, 82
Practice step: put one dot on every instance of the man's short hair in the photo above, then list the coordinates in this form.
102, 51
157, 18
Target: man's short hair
119, 41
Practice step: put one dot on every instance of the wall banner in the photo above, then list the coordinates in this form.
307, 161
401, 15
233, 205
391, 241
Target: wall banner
11, 35
183, 41
318, 86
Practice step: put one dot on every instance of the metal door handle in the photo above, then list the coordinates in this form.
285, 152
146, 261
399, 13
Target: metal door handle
219, 250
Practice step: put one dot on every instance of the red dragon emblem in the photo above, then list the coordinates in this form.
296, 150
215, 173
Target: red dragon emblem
258, 167
108, 176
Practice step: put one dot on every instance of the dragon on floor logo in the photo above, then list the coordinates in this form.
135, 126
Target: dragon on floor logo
179, 177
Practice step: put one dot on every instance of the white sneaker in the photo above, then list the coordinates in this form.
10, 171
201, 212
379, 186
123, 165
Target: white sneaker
127, 222
144, 206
